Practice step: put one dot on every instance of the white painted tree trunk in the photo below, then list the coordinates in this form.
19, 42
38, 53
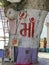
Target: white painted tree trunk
32, 5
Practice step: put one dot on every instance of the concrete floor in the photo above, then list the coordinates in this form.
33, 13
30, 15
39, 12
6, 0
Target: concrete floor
43, 59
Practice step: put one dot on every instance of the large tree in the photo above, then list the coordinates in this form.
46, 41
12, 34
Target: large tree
42, 5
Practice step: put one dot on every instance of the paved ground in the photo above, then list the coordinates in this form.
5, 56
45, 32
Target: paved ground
43, 59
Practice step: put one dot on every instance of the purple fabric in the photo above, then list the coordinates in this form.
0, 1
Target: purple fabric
1, 53
27, 55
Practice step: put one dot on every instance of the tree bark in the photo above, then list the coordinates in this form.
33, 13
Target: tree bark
34, 4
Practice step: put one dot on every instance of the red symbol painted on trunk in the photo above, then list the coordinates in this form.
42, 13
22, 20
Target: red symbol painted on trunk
28, 29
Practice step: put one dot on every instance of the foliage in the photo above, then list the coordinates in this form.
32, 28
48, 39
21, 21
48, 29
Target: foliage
16, 6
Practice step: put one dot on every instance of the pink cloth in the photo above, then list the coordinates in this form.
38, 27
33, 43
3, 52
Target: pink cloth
12, 24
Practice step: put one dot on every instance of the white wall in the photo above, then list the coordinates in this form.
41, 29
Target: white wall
47, 35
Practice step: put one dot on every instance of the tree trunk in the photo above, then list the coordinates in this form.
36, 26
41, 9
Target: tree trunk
38, 10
